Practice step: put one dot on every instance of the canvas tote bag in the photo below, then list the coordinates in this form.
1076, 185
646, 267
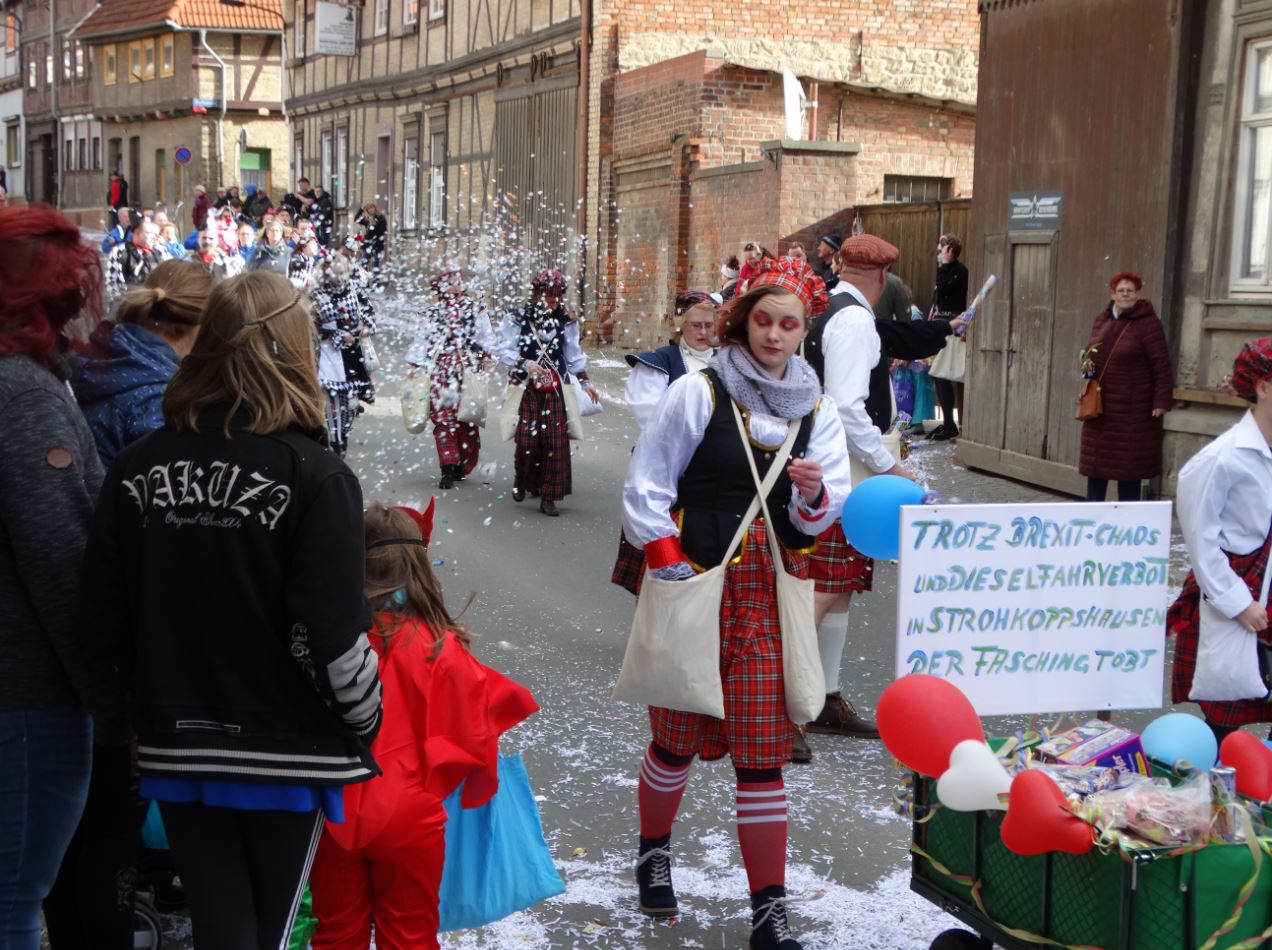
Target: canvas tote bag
673, 653
1228, 666
951, 362
474, 395
509, 411
801, 659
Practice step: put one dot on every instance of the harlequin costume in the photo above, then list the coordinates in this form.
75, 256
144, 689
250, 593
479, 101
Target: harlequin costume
455, 336
1224, 503
341, 315
550, 338
687, 487
443, 715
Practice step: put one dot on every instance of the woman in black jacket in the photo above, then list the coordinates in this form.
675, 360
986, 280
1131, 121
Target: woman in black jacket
949, 300
225, 565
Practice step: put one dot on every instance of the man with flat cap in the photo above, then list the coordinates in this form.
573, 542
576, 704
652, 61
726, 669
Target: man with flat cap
823, 266
847, 352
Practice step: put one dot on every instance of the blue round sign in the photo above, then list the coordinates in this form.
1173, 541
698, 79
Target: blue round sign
182, 156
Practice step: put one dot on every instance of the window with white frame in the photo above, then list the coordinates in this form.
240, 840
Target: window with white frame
381, 17
324, 160
298, 42
340, 184
13, 143
410, 179
411, 12
436, 10
437, 179
1252, 249
298, 157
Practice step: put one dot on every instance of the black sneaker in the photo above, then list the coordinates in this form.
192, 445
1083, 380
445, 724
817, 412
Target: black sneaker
770, 929
653, 877
448, 478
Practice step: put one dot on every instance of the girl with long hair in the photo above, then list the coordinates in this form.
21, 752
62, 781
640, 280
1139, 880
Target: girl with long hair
225, 570
443, 715
687, 490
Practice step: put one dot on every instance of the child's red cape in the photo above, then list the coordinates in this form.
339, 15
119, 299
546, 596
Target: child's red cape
443, 716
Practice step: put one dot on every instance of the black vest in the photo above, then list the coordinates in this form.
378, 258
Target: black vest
716, 488
879, 397
533, 324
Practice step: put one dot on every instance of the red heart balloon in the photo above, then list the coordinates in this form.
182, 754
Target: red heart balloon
922, 718
1040, 820
1253, 762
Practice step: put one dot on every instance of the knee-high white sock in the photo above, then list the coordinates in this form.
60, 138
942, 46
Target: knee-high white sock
832, 634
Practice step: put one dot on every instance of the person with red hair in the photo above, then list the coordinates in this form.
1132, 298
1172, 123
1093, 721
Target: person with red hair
51, 673
1128, 355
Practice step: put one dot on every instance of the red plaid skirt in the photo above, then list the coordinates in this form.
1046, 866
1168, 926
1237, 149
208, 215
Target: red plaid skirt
629, 566
1182, 620
541, 462
838, 567
755, 731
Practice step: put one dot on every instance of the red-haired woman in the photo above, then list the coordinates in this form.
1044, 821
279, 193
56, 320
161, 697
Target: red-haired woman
1130, 358
688, 488
49, 479
541, 344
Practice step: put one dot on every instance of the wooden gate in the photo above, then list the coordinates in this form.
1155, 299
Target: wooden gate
914, 229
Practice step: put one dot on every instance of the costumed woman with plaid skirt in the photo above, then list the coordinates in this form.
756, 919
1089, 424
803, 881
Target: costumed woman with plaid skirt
687, 489
1225, 513
541, 344
455, 335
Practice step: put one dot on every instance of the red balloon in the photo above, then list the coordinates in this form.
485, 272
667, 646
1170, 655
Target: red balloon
1253, 762
1040, 820
922, 718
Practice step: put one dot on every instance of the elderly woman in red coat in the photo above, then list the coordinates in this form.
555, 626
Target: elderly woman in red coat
1124, 443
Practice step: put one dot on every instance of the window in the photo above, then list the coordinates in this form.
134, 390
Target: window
148, 59
339, 185
161, 175
81, 66
324, 154
299, 40
1252, 249
81, 152
68, 60
436, 10
48, 65
437, 179
254, 169
411, 12
134, 61
916, 188
167, 58
97, 153
410, 179
111, 65
298, 157
13, 143
68, 153
10, 33
33, 76
381, 17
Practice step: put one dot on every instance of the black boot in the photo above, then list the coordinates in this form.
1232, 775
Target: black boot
448, 477
653, 877
769, 928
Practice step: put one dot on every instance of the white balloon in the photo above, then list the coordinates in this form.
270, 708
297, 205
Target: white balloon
974, 779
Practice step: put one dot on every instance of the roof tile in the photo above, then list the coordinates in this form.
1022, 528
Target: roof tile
115, 16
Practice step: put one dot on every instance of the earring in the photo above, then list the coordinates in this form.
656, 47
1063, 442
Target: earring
399, 597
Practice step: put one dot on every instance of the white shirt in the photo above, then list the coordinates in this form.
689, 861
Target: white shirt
850, 344
674, 433
1224, 503
646, 385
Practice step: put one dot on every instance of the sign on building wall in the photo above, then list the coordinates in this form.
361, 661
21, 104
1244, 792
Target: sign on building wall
1034, 211
335, 29
1037, 608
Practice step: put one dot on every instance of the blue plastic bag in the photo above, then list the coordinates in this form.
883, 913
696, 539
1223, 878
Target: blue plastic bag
153, 834
497, 861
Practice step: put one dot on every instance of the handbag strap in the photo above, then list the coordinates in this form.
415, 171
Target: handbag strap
1111, 351
766, 485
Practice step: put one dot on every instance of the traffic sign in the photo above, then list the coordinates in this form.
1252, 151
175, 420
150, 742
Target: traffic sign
182, 155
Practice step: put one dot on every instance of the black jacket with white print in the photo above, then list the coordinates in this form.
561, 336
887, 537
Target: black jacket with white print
227, 573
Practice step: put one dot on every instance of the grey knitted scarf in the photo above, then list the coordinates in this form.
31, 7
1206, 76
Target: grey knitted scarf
791, 397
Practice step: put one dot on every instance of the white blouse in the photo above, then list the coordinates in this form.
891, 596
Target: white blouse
646, 385
510, 345
673, 434
1224, 503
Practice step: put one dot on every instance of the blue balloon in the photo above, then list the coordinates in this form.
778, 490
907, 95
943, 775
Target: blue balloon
1177, 736
872, 514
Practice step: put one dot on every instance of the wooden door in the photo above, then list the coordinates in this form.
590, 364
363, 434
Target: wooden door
1032, 302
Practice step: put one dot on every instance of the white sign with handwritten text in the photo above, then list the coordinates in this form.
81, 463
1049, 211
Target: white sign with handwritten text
1037, 608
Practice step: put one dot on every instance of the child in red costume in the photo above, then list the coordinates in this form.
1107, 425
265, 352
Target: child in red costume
443, 715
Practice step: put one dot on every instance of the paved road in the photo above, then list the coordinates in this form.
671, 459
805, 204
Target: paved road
548, 616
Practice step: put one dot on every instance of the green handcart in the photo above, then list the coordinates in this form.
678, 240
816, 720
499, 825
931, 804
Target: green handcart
1160, 900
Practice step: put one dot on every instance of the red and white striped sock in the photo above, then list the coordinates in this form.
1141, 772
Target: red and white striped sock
762, 832
662, 786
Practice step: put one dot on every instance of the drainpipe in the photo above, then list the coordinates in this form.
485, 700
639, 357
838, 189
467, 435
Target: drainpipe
57, 124
585, 105
220, 122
